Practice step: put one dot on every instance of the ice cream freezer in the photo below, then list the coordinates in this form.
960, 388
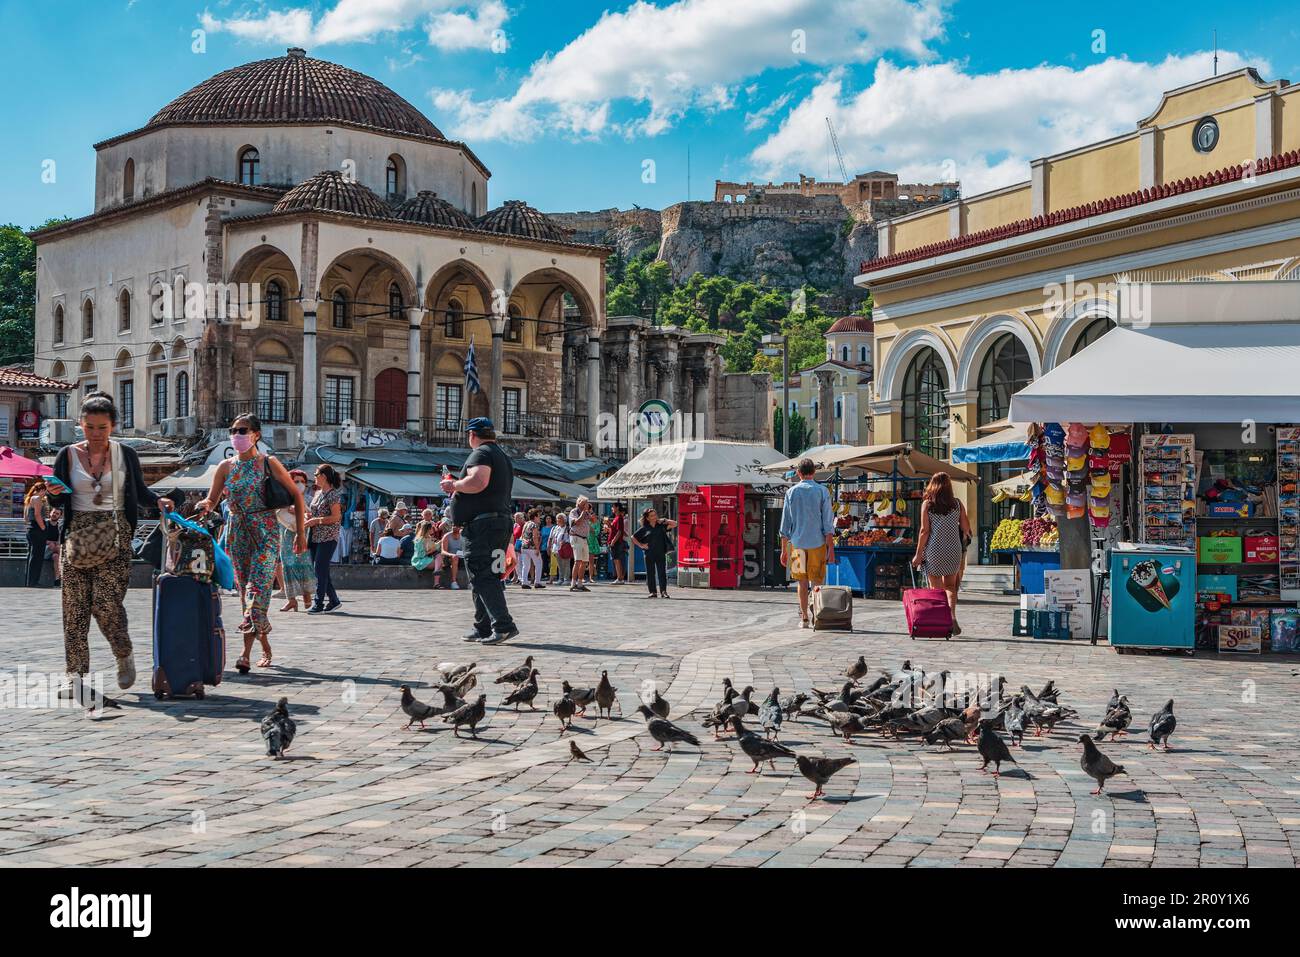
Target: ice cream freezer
1153, 597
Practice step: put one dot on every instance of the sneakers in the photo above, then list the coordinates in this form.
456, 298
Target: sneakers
472, 635
333, 606
455, 586
125, 671
497, 637
528, 587
316, 609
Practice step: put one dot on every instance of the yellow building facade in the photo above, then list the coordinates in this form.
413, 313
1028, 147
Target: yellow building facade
976, 298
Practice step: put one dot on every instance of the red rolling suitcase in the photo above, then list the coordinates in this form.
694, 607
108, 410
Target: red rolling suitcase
927, 611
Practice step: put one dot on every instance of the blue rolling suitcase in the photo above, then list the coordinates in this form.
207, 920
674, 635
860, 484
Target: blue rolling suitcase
189, 642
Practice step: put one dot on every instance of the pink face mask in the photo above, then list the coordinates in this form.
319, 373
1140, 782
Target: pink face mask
241, 443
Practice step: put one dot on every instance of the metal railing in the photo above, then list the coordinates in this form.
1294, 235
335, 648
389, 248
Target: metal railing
286, 411
366, 413
544, 425
444, 431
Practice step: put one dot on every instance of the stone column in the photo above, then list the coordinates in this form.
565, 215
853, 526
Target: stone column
704, 404
310, 374
593, 390
414, 316
825, 407
493, 389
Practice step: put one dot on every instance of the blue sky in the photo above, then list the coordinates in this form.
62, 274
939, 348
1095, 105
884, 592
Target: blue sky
566, 101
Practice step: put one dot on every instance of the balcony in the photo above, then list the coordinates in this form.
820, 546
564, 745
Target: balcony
277, 411
543, 425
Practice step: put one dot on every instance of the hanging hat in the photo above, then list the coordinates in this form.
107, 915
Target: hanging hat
1099, 506
1100, 485
1055, 496
1076, 463
1074, 511
1054, 432
1096, 461
1099, 438
1101, 521
1076, 434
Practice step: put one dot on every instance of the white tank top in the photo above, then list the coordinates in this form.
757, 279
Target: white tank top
83, 487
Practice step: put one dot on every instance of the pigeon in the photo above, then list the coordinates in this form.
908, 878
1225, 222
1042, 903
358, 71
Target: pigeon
278, 730
1096, 765
581, 696
576, 753
515, 675
451, 671
470, 714
759, 749
1044, 714
792, 705
858, 670
664, 731
993, 748
769, 714
659, 704
845, 723
1162, 725
465, 682
731, 706
1118, 718
606, 697
820, 770
524, 694
564, 709
417, 710
1013, 720
1114, 699
1050, 692
948, 730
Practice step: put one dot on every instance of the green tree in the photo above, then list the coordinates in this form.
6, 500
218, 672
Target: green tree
801, 433
17, 294
658, 283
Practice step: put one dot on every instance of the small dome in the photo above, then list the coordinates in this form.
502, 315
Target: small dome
851, 324
516, 218
426, 208
295, 88
329, 191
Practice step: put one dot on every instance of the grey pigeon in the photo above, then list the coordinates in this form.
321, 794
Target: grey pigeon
858, 670
948, 730
819, 770
606, 697
564, 709
845, 723
1116, 721
469, 714
1162, 725
582, 697
278, 730
450, 672
526, 693
658, 704
1013, 720
1096, 765
769, 714
664, 731
992, 748
515, 675
759, 749
792, 705
415, 709
576, 753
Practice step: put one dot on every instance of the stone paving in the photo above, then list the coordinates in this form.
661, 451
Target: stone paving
186, 783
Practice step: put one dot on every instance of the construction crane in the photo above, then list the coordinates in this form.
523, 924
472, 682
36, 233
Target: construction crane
839, 156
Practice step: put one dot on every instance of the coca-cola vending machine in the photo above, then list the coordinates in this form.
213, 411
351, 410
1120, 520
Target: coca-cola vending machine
710, 537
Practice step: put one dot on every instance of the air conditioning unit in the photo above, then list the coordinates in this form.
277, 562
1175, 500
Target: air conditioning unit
575, 451
284, 437
177, 428
59, 432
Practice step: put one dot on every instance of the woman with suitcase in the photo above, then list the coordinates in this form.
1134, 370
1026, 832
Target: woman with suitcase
944, 527
253, 532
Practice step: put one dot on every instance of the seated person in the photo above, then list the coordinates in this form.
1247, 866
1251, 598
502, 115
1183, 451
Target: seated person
453, 548
388, 550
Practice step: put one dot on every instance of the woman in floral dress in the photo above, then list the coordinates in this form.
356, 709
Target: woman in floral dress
253, 533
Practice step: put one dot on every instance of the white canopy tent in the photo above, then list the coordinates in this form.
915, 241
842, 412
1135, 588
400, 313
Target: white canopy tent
1202, 372
684, 466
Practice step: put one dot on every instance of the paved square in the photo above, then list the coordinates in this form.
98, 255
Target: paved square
186, 783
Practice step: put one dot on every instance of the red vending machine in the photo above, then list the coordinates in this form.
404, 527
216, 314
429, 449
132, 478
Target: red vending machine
710, 537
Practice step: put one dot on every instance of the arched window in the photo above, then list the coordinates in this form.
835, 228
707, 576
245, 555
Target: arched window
182, 394
395, 304
925, 404
88, 320
1005, 371
1091, 333
844, 353
473, 199
395, 178
128, 181
839, 408
815, 409
249, 163
342, 310
454, 320
864, 355
124, 311
58, 323
514, 325
274, 301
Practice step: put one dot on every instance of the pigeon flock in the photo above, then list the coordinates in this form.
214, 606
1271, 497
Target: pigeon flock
935, 708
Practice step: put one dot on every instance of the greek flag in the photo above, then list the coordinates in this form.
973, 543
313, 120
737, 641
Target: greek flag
471, 371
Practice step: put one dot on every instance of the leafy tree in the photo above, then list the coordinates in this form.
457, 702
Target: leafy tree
18, 294
801, 433
658, 283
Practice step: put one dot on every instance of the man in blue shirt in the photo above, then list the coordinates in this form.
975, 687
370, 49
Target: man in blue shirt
807, 534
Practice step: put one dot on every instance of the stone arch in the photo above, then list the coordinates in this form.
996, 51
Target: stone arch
60, 320
367, 273
123, 360
900, 356
87, 366
340, 355
449, 363
272, 347
157, 353
57, 371
543, 291
1067, 326
980, 339
453, 281
179, 350
263, 265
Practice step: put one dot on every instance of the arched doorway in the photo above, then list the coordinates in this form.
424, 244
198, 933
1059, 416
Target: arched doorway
925, 404
1006, 370
390, 399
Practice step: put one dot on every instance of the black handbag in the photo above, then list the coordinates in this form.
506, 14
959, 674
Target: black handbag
274, 494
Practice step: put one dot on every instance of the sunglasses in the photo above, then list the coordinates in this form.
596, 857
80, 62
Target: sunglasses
240, 430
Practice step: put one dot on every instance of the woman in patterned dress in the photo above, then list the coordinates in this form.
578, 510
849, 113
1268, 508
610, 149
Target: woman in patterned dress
296, 570
253, 533
944, 528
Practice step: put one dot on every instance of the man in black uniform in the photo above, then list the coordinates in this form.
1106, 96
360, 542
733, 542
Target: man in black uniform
481, 505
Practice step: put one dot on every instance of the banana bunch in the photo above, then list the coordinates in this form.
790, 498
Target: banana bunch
1008, 535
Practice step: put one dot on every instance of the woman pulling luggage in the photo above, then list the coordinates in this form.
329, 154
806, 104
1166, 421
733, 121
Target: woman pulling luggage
253, 536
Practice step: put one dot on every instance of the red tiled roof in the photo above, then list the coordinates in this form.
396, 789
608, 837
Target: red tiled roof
851, 324
22, 380
1111, 204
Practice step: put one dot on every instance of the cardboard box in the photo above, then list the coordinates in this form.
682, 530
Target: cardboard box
1033, 602
1219, 550
1230, 509
1260, 548
1067, 586
1218, 584
1081, 621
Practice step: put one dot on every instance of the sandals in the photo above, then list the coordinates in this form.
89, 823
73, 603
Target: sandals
264, 661
242, 665
291, 605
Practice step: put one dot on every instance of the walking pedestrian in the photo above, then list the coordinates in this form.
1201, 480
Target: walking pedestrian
100, 492
652, 538
531, 542
807, 534
548, 560
481, 506
618, 543
297, 575
940, 544
561, 549
38, 532
580, 519
325, 518
253, 533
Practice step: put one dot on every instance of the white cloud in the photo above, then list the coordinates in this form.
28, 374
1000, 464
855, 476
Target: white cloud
760, 117
935, 121
450, 24
692, 54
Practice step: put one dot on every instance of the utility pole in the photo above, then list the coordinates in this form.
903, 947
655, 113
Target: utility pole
785, 395
1216, 52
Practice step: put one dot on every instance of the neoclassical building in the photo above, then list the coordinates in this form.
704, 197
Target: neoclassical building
976, 298
293, 237
834, 396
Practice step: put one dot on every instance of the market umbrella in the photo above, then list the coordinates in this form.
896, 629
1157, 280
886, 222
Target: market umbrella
910, 464
16, 466
827, 457
1007, 444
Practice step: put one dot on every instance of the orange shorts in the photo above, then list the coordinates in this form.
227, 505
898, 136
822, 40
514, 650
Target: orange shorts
808, 565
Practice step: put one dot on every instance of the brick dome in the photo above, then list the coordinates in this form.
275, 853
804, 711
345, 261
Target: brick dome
851, 324
425, 207
329, 191
295, 88
516, 218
